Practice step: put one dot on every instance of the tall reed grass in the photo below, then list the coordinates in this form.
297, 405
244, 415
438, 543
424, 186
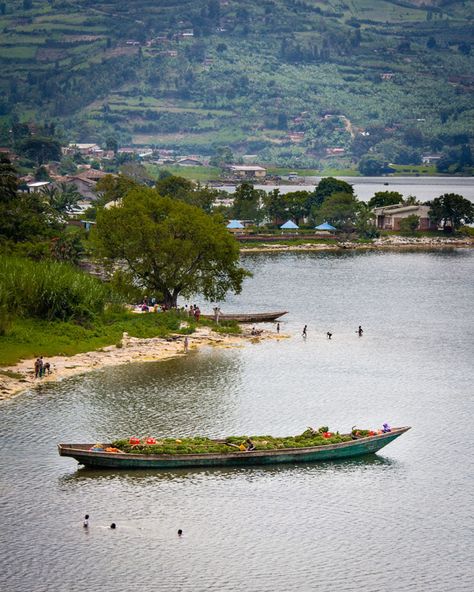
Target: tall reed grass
49, 290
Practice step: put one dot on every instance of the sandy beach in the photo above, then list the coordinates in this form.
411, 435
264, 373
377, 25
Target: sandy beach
133, 350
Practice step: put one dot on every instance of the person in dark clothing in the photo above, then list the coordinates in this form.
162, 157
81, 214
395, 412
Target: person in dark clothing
360, 331
304, 330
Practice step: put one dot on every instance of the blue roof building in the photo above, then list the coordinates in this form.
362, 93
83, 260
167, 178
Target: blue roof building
290, 225
325, 226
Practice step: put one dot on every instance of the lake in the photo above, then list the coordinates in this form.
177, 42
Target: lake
397, 521
423, 188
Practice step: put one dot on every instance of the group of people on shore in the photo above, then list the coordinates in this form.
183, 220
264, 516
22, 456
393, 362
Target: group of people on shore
193, 311
41, 367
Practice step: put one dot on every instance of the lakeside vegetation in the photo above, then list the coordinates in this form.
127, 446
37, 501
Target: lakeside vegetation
169, 241
203, 445
380, 81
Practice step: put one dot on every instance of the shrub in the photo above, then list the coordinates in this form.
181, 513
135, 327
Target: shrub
49, 290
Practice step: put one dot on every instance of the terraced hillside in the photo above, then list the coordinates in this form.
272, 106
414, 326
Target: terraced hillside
291, 80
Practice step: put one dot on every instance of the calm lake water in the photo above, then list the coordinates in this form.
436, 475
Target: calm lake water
397, 521
423, 188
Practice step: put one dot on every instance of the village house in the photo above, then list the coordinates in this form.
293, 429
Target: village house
430, 158
33, 186
85, 182
335, 151
189, 161
248, 171
389, 217
84, 149
296, 136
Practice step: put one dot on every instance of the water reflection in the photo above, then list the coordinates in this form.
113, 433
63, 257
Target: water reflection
280, 528
290, 470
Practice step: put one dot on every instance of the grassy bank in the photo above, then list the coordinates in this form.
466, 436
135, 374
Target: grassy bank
29, 338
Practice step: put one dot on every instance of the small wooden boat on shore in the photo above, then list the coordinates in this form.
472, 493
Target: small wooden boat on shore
255, 317
84, 454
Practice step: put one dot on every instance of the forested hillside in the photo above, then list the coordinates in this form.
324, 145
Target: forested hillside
294, 81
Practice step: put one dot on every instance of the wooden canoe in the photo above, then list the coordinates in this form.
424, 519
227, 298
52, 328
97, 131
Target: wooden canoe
112, 460
254, 317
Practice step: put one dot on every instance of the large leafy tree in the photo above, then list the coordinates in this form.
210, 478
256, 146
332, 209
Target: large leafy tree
187, 191
326, 187
41, 149
169, 247
385, 198
340, 210
297, 204
372, 165
23, 216
293, 205
451, 211
248, 203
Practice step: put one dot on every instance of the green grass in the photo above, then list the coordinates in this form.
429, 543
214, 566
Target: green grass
203, 445
17, 52
29, 338
408, 169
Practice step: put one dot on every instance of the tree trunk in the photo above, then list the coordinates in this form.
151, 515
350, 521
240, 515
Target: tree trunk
171, 298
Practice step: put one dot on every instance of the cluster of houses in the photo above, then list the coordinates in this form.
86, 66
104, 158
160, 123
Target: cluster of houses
162, 157
385, 218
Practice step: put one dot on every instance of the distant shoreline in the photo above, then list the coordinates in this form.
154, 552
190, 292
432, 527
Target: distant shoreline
386, 243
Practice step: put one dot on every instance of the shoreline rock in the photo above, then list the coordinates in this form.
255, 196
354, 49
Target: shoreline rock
384, 243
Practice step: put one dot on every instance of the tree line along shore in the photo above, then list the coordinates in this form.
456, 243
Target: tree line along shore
64, 290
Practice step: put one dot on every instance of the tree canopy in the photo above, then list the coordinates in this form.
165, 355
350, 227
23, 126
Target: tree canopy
451, 211
170, 248
293, 205
385, 198
340, 209
248, 203
326, 187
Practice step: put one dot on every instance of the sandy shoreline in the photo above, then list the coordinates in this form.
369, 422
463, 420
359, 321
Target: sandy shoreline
385, 243
133, 350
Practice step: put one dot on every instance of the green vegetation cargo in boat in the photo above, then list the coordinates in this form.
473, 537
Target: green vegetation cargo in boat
200, 451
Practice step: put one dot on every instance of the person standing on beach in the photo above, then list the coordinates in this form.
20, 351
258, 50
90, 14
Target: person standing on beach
360, 331
186, 344
41, 367
304, 330
329, 334
37, 367
278, 327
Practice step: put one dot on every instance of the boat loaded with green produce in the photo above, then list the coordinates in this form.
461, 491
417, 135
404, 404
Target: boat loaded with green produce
170, 453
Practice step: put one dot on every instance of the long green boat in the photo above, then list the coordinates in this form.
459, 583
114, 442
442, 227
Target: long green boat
86, 455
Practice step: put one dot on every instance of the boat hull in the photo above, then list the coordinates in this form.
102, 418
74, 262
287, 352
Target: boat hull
258, 317
111, 460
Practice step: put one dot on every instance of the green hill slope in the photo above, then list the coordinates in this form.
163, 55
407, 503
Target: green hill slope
295, 81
